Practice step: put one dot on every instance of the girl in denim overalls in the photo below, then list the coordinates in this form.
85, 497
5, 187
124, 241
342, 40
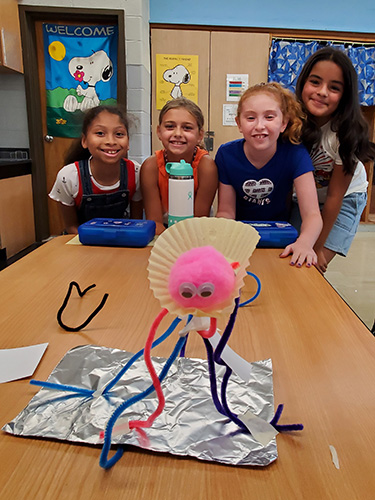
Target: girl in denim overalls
98, 180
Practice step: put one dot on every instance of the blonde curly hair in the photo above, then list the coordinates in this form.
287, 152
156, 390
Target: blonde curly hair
289, 106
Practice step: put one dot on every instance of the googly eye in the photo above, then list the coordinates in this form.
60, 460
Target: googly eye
206, 289
187, 290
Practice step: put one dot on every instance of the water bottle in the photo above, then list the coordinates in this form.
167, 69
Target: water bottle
180, 191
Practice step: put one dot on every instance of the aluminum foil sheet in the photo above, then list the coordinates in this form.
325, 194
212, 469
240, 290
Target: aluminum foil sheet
189, 425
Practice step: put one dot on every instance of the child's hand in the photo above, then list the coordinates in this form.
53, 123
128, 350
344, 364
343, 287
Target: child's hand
301, 253
322, 263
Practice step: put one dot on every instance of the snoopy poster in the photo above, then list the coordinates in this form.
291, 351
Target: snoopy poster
81, 72
176, 76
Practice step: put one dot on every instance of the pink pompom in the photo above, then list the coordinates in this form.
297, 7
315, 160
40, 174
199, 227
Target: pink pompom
201, 278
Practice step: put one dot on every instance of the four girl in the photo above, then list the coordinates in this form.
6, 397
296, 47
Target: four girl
257, 173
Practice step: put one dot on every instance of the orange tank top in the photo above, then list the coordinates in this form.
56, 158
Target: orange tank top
163, 176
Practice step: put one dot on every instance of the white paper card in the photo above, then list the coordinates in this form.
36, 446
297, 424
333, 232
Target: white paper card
229, 115
239, 365
121, 428
74, 241
261, 430
20, 362
197, 323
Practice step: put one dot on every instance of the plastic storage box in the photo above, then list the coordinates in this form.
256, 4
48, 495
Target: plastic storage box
274, 234
117, 232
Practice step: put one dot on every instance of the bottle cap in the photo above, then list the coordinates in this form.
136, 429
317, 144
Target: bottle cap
179, 168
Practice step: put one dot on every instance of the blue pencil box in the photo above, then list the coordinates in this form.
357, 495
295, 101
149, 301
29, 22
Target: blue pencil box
117, 232
274, 234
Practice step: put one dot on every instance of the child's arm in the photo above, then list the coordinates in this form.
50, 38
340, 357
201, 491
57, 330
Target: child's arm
207, 186
136, 202
151, 193
70, 218
227, 201
302, 249
63, 192
337, 187
136, 209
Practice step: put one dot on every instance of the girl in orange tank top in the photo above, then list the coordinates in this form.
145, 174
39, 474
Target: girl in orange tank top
180, 130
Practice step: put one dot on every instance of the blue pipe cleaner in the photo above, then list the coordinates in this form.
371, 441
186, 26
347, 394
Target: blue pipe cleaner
256, 293
89, 392
63, 387
136, 356
104, 462
223, 407
182, 352
212, 373
217, 358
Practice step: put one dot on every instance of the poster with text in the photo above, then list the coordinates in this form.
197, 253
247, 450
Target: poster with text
236, 85
176, 76
81, 73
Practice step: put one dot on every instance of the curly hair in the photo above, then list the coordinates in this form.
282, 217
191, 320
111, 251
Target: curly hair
289, 106
77, 152
347, 121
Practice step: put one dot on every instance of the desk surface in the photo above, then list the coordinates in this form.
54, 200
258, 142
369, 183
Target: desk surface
324, 371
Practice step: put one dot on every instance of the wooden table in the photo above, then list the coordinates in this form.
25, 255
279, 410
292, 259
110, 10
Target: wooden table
324, 371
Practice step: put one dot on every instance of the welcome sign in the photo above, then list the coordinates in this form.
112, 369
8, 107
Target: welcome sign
81, 73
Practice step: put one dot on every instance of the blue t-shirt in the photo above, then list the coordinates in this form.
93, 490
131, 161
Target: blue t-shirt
264, 193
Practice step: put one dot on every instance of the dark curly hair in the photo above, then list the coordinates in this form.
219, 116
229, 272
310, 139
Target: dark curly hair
77, 152
347, 121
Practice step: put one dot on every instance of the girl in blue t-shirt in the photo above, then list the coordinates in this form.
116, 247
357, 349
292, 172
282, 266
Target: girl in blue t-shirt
257, 173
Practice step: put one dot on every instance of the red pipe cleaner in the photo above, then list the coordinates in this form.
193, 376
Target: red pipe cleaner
138, 424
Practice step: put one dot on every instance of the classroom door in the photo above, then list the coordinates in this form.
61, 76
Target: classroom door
219, 53
54, 148
47, 151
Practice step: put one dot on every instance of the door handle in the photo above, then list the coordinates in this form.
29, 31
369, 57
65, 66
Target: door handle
48, 138
209, 140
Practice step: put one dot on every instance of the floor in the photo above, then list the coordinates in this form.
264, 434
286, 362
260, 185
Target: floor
353, 277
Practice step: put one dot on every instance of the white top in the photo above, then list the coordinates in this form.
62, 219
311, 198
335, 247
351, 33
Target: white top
65, 189
325, 156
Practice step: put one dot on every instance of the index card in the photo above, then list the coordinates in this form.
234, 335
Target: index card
20, 362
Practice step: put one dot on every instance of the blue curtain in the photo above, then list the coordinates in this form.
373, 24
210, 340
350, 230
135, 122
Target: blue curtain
288, 57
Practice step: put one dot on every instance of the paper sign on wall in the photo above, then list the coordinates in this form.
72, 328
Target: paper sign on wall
236, 85
176, 76
229, 115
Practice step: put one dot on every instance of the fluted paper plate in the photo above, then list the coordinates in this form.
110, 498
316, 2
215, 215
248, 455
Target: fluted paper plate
235, 240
